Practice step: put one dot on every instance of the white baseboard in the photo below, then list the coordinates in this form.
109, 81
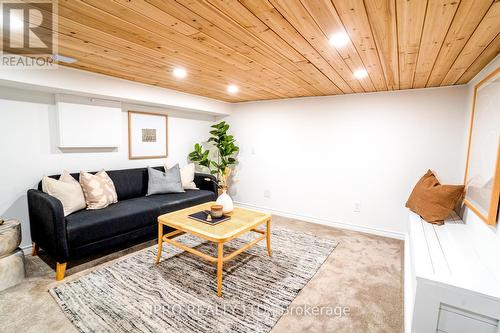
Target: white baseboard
26, 249
335, 224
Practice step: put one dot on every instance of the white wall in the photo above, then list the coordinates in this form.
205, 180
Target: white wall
318, 156
28, 151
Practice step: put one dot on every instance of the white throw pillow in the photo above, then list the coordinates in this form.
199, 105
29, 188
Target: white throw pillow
68, 190
187, 176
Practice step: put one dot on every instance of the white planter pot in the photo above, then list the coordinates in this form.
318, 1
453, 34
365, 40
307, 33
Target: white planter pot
226, 202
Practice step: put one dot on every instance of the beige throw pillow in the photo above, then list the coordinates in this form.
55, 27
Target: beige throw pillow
67, 190
98, 189
187, 175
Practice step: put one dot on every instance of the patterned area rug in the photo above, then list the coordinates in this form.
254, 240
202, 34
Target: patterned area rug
180, 294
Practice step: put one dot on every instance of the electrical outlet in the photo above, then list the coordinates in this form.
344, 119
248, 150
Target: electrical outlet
357, 207
267, 194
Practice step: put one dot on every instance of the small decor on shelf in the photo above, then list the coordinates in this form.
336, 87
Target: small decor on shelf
221, 165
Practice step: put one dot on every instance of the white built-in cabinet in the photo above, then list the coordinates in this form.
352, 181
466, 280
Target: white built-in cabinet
450, 284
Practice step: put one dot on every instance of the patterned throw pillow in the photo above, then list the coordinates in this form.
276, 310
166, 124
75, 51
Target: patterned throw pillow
98, 189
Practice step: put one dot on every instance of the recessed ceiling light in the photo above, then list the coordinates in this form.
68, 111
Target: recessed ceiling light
179, 72
62, 58
360, 73
339, 39
232, 89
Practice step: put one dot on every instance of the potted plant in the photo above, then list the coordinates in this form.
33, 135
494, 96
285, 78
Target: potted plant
225, 150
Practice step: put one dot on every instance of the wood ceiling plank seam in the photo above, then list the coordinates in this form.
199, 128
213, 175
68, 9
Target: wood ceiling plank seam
303, 69
382, 63
435, 79
489, 53
66, 42
331, 56
120, 19
198, 88
62, 21
313, 58
442, 44
256, 47
488, 28
277, 85
127, 38
146, 50
371, 73
420, 45
397, 42
381, 83
264, 17
346, 52
209, 50
439, 17
408, 48
202, 85
118, 74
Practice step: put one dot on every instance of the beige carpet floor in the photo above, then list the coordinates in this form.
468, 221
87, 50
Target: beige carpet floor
364, 274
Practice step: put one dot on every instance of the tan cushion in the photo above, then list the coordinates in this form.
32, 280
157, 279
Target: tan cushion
67, 190
187, 175
98, 189
433, 201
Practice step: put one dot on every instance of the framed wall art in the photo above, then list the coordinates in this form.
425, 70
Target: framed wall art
147, 135
482, 170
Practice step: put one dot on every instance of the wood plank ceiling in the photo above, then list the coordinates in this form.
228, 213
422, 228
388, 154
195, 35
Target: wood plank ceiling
280, 48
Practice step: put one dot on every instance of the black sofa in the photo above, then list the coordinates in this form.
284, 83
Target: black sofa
132, 219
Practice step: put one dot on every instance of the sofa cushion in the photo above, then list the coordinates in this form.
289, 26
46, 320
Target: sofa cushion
164, 182
88, 226
174, 201
130, 183
98, 189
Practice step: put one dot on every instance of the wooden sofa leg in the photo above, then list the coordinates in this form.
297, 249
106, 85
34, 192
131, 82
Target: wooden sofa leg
60, 270
34, 249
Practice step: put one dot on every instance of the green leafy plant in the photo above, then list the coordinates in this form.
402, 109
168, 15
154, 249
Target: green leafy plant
225, 149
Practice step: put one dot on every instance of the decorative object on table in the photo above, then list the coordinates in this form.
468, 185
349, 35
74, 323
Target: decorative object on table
147, 135
432, 201
482, 170
205, 216
12, 269
216, 211
225, 201
225, 150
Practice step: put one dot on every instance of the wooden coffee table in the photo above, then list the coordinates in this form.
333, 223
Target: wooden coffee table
242, 221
